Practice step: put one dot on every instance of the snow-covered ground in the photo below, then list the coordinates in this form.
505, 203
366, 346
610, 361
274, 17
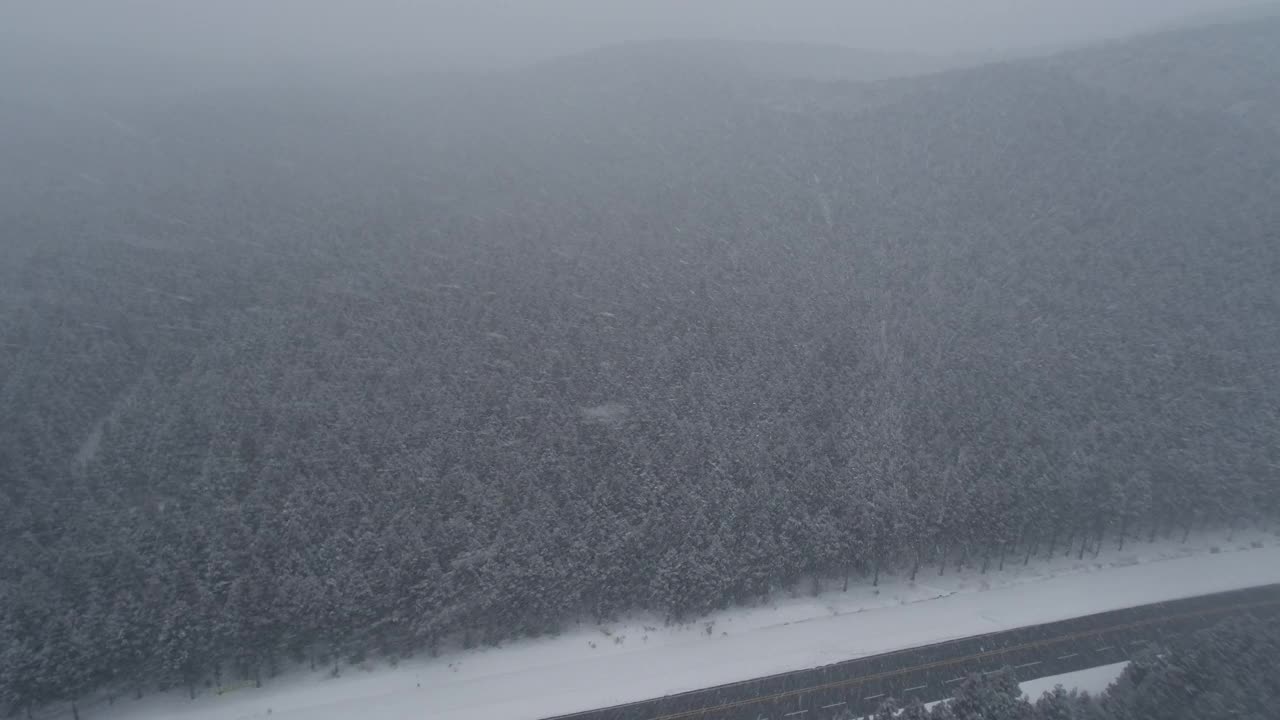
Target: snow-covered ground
1092, 681
595, 666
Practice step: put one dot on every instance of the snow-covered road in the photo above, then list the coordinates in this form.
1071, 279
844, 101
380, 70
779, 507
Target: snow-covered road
593, 667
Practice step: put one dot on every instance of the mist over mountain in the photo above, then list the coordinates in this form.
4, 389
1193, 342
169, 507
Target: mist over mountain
1230, 68
312, 371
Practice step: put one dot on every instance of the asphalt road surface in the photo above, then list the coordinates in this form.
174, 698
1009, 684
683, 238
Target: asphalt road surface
930, 672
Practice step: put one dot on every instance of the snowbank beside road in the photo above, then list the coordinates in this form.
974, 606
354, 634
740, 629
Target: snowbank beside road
592, 667
1093, 681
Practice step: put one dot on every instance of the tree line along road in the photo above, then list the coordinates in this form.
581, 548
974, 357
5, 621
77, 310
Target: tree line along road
929, 672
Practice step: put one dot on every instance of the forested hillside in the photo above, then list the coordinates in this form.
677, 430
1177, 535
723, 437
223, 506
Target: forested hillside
296, 375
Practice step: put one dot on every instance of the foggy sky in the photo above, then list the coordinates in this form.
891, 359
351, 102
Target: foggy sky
405, 31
